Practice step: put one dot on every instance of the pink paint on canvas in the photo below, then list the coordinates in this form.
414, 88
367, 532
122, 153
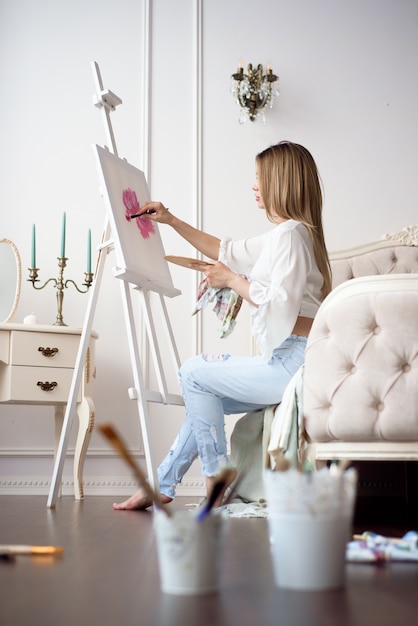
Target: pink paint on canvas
132, 206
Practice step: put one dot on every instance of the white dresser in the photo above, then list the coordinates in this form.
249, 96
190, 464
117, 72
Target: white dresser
37, 366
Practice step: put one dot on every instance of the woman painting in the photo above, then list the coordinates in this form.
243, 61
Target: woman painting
284, 275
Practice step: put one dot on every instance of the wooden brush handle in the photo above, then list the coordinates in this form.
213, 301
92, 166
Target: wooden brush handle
110, 433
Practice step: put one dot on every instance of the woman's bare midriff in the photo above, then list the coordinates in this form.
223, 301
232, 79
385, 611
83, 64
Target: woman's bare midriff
303, 326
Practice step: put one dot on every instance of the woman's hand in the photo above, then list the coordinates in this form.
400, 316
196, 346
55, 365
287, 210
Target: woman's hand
156, 212
218, 275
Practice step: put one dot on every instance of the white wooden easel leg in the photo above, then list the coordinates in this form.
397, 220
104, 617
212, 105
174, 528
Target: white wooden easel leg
67, 425
141, 396
170, 335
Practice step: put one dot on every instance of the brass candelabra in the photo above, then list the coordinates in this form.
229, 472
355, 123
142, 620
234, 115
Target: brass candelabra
60, 285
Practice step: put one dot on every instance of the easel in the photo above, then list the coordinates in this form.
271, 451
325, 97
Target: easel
107, 102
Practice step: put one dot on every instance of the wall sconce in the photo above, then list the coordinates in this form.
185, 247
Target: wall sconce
254, 91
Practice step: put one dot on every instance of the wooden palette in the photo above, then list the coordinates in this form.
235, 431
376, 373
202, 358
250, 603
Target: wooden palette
185, 261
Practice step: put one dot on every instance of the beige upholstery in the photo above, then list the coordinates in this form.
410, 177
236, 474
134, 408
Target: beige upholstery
360, 390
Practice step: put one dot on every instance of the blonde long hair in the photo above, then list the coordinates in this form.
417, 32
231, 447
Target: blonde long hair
290, 186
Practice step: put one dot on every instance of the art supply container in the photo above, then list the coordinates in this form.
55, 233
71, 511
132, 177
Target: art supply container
189, 552
310, 518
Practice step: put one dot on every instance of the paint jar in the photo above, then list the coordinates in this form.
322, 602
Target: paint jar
310, 518
189, 552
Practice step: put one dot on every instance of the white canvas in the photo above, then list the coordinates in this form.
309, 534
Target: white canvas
138, 246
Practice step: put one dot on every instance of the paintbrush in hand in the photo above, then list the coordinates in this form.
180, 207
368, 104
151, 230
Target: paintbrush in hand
112, 436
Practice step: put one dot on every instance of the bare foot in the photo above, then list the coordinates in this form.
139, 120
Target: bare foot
138, 502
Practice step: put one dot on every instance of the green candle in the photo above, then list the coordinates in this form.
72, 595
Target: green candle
33, 246
89, 251
64, 218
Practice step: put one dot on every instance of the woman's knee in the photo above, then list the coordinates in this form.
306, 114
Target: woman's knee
197, 371
187, 372
190, 365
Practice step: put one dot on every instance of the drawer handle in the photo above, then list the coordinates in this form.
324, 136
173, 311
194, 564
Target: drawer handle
46, 386
48, 351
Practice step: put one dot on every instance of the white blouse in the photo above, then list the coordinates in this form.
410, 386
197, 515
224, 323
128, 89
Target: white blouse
285, 280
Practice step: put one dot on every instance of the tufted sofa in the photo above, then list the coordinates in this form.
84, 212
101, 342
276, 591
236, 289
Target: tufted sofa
360, 383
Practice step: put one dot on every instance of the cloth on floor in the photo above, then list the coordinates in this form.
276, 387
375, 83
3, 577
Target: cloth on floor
260, 436
245, 509
227, 305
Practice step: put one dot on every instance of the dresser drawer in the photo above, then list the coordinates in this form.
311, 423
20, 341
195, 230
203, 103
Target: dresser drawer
45, 349
4, 346
20, 384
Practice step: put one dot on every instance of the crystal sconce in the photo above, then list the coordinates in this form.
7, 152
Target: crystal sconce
254, 91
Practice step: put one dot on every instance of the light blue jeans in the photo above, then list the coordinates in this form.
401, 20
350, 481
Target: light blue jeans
217, 385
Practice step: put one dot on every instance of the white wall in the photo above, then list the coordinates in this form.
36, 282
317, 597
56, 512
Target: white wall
348, 87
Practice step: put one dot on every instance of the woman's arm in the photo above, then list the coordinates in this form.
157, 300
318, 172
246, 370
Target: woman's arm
205, 243
241, 285
218, 274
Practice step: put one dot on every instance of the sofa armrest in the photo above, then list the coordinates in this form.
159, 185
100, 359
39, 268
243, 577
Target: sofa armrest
361, 365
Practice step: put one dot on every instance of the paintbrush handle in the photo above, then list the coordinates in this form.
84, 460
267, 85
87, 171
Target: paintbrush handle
210, 502
139, 475
220, 484
233, 490
110, 433
35, 550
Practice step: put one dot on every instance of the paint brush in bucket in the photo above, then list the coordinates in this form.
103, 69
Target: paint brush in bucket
222, 480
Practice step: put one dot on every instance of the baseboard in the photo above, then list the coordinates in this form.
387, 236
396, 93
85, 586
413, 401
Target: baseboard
93, 486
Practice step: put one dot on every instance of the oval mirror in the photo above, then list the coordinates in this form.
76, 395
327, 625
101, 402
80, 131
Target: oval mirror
10, 279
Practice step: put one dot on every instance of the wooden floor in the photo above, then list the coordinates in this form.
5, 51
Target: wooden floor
108, 576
